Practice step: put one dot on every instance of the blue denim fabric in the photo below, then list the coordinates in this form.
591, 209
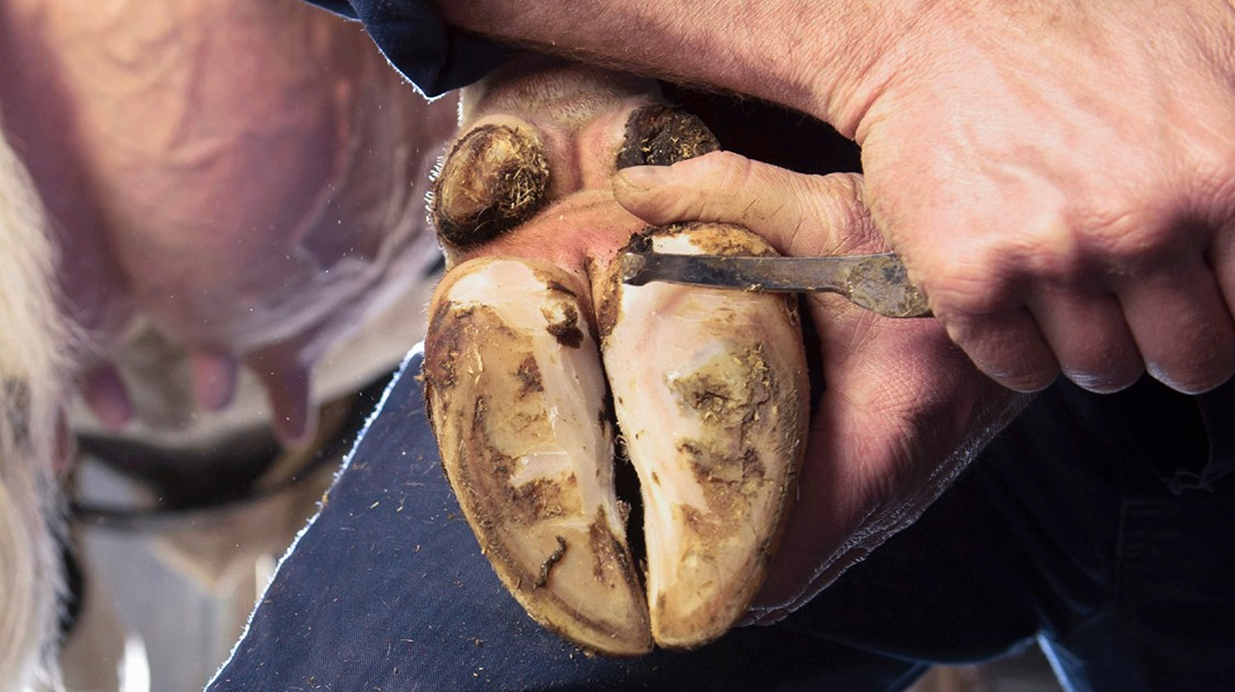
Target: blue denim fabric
387, 590
411, 34
1064, 532
1070, 530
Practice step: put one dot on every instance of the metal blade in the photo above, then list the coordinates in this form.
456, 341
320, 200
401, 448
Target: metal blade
875, 282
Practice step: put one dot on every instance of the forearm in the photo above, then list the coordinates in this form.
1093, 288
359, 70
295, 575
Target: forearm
824, 58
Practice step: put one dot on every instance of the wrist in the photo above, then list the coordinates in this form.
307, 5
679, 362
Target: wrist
887, 45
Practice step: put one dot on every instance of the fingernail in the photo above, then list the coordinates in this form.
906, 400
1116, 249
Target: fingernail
645, 177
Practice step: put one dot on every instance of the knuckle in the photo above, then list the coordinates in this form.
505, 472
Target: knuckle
1006, 350
1132, 242
708, 187
1128, 237
846, 187
1210, 189
838, 202
1214, 193
1053, 256
969, 283
715, 170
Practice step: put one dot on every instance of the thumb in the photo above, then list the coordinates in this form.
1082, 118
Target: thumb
798, 214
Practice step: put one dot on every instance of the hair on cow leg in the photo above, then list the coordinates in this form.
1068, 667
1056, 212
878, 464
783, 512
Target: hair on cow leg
34, 367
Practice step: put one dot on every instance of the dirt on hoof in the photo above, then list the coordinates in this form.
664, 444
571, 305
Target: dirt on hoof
660, 136
494, 178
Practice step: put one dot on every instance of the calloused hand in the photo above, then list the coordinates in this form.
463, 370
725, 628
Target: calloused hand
1060, 181
903, 409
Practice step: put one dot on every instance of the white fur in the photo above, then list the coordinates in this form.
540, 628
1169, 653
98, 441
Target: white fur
34, 347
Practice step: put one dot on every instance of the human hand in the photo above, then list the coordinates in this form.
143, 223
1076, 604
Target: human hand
903, 409
1057, 177
1061, 183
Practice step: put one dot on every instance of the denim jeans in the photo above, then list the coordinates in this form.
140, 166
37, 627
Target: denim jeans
1099, 527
